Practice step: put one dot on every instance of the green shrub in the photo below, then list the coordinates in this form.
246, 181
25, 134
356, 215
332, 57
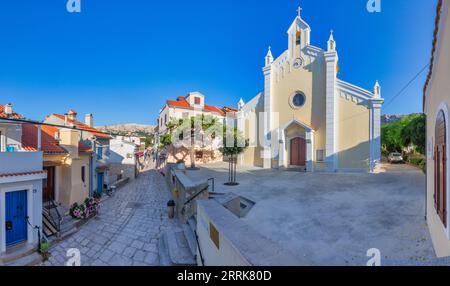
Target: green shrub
418, 160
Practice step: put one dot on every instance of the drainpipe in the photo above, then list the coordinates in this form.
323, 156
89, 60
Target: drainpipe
39, 135
91, 175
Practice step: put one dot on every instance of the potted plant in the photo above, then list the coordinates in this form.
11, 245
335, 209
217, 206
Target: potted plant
77, 211
44, 248
97, 196
181, 165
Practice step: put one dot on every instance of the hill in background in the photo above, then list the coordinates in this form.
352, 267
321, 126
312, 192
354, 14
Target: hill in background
129, 129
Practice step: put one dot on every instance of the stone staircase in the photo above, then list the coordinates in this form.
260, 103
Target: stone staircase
178, 246
69, 226
21, 255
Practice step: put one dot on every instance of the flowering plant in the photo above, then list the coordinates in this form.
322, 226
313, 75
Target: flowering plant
89, 208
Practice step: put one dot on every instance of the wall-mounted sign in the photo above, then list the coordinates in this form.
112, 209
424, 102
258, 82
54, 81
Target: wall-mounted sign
214, 234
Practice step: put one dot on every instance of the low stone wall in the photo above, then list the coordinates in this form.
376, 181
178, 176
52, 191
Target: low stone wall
119, 171
207, 155
225, 240
183, 189
120, 183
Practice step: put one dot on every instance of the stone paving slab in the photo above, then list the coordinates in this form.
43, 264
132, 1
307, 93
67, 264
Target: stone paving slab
127, 229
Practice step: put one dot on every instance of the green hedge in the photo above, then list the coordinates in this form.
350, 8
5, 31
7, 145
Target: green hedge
418, 160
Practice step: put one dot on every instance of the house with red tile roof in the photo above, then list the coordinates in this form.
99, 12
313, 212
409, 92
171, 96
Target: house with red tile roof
191, 105
95, 140
67, 161
21, 179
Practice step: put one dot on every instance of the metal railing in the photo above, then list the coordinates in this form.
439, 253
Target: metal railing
55, 221
195, 196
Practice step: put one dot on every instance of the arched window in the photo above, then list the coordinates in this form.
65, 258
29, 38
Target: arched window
440, 167
298, 38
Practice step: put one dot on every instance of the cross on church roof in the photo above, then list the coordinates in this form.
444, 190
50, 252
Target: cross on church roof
299, 11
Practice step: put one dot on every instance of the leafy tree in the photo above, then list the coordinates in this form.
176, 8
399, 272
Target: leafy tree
415, 133
192, 131
410, 130
149, 140
165, 140
233, 145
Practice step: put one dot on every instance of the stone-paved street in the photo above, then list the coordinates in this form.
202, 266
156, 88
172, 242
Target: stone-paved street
126, 231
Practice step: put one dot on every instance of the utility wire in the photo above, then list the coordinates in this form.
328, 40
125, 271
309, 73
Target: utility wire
407, 85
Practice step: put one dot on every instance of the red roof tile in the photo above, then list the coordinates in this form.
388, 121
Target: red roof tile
214, 109
181, 102
49, 144
22, 174
3, 115
85, 127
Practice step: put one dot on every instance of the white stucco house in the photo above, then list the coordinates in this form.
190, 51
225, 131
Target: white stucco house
21, 180
193, 105
123, 158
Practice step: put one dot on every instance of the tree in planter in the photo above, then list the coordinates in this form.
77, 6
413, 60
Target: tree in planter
233, 145
194, 130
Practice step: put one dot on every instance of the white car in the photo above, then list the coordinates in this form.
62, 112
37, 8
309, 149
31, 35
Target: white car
395, 158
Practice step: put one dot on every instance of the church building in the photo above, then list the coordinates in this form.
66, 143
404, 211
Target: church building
307, 118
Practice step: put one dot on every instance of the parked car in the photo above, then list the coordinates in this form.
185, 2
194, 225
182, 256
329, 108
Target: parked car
395, 158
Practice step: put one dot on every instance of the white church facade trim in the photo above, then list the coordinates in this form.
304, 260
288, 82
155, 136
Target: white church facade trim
308, 118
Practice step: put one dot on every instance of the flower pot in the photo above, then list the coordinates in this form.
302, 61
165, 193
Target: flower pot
45, 255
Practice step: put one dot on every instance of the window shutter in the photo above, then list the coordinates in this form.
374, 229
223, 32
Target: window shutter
444, 186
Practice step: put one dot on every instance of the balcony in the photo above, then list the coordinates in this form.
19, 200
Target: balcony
20, 162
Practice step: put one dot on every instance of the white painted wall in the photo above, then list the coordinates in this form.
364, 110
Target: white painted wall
20, 162
34, 200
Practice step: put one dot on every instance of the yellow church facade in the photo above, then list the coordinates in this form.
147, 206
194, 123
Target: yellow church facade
306, 117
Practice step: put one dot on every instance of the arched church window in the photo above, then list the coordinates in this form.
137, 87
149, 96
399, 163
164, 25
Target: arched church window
298, 38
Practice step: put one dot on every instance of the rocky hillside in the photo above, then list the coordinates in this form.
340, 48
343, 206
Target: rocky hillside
388, 119
128, 129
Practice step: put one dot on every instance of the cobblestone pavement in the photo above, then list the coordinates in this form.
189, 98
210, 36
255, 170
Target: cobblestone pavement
126, 231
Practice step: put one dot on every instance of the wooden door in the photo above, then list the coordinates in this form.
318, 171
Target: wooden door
298, 152
48, 190
440, 168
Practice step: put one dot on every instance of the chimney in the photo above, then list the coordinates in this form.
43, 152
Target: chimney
9, 110
70, 139
66, 119
89, 120
72, 115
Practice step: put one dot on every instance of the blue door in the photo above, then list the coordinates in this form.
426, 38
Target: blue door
99, 182
16, 214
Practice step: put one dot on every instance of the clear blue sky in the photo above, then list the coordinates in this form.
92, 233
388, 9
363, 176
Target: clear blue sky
120, 59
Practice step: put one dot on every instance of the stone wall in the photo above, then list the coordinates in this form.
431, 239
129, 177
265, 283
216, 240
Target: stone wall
226, 240
183, 189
